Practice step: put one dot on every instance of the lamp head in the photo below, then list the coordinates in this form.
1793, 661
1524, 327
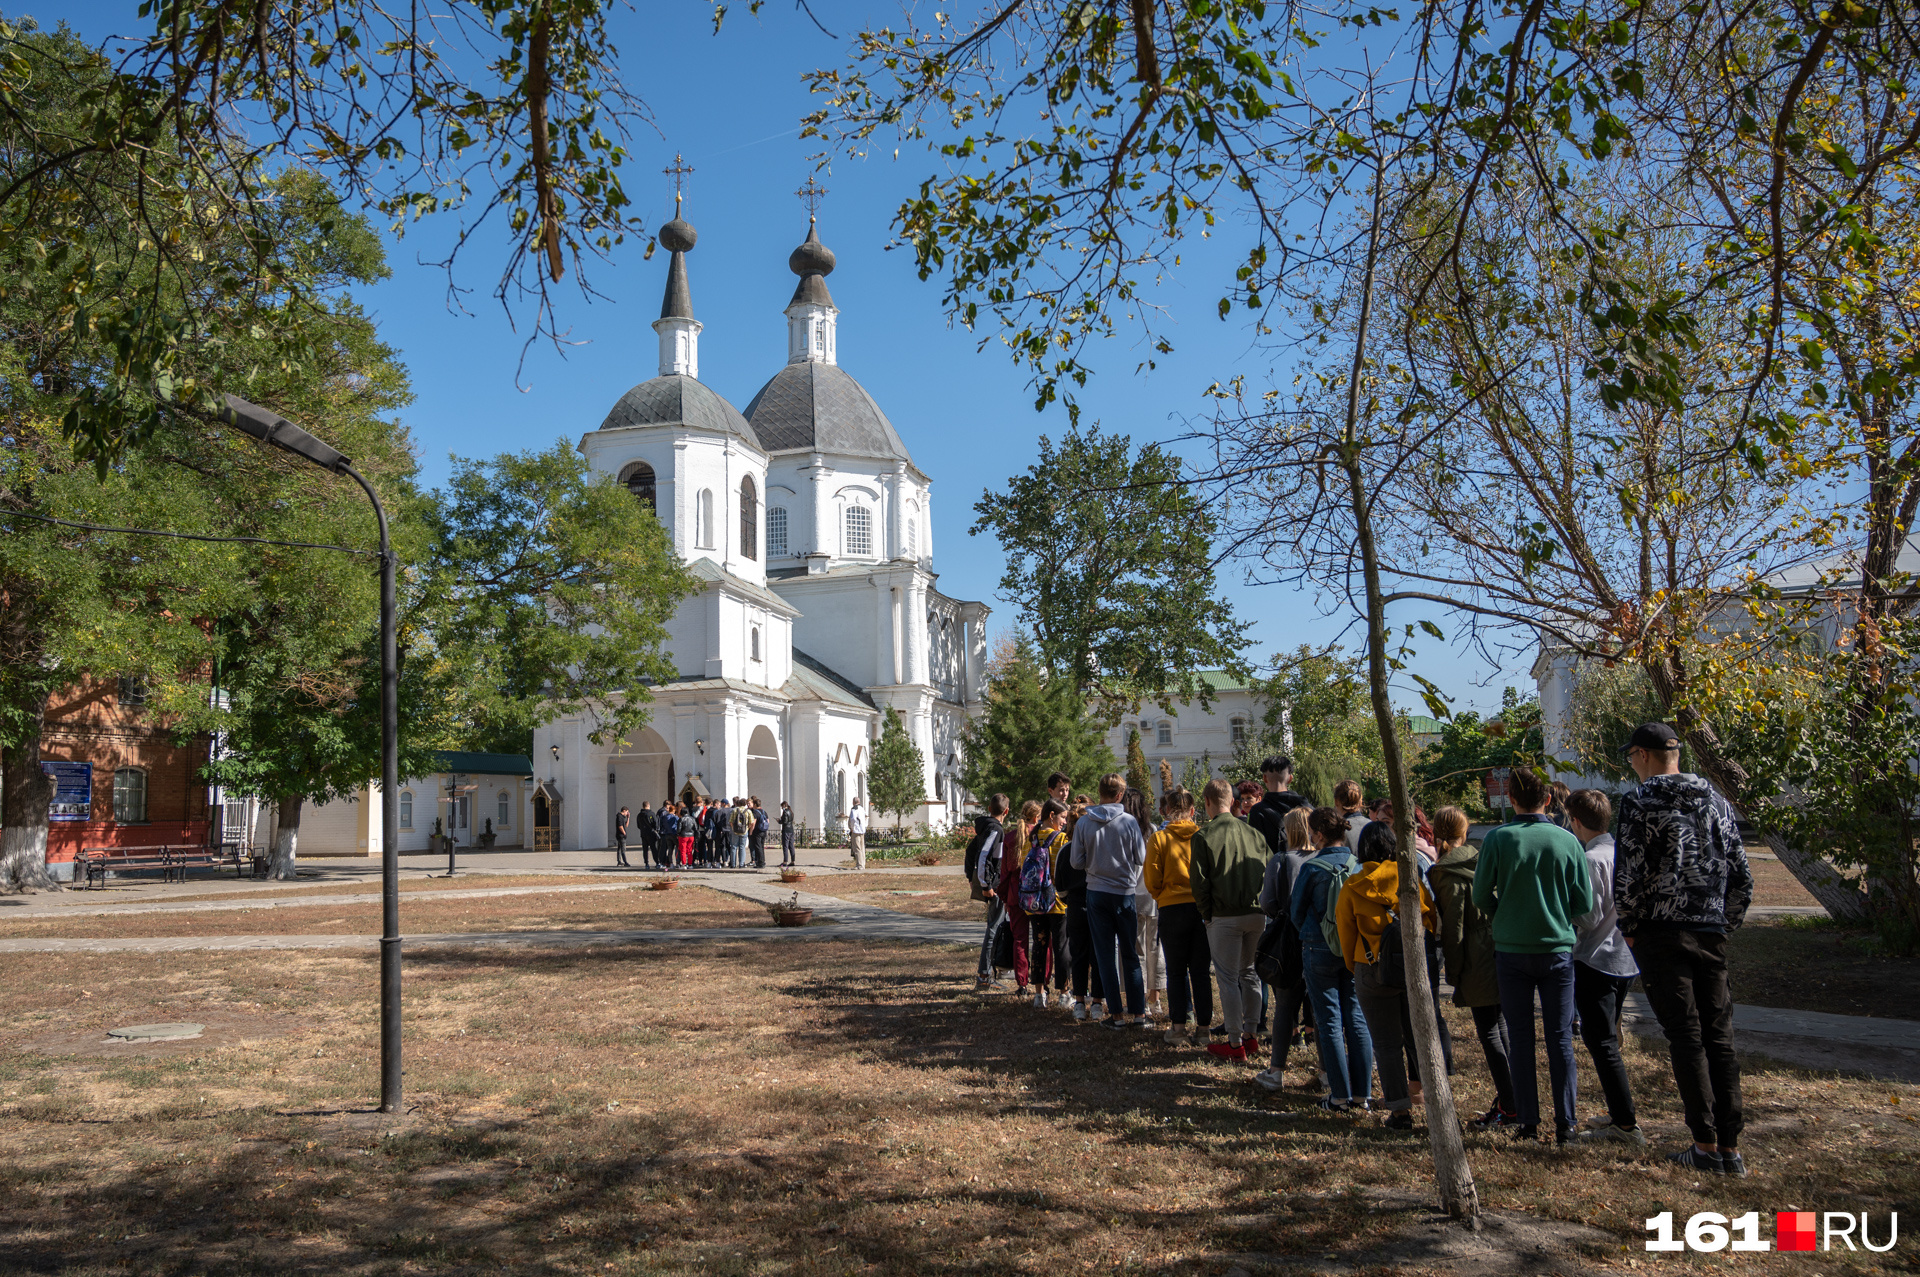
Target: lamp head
270, 427
556, 753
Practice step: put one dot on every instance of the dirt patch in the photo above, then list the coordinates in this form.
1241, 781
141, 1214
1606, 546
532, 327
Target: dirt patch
733, 1108
1814, 964
942, 896
463, 881
633, 909
1775, 886
224, 1028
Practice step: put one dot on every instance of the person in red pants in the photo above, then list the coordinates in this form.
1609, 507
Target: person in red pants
1018, 832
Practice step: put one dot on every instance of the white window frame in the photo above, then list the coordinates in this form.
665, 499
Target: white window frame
1163, 734
865, 532
776, 531
406, 809
119, 789
504, 816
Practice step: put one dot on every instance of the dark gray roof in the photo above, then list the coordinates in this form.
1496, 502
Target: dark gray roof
820, 408
802, 661
678, 398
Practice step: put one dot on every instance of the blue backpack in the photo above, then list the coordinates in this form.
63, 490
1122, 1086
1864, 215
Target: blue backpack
1036, 879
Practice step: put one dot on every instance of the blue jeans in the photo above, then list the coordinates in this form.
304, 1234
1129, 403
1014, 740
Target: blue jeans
1520, 975
739, 849
1339, 1030
1110, 918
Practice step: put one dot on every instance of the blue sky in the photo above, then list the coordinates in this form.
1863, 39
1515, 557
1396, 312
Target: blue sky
731, 104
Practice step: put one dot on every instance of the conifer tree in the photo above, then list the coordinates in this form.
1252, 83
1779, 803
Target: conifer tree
896, 778
1035, 724
1138, 777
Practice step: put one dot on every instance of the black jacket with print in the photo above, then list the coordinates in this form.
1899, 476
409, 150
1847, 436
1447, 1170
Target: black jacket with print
1678, 858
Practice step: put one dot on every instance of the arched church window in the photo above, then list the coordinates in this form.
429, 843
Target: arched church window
756, 642
913, 532
638, 479
776, 531
859, 530
749, 519
705, 529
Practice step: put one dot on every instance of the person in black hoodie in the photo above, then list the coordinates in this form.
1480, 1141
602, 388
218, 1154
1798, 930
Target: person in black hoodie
1269, 815
983, 871
1680, 883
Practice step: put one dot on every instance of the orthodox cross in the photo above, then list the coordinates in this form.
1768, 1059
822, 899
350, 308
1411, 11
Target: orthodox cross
810, 195
679, 170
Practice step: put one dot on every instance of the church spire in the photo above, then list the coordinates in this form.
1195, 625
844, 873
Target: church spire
679, 330
810, 315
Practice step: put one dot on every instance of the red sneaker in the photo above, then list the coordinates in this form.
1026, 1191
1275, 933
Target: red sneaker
1221, 1050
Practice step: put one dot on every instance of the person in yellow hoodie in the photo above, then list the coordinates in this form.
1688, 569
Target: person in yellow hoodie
1183, 933
1364, 914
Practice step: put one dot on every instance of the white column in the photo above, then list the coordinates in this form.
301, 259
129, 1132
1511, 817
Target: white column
896, 606
882, 630
824, 539
896, 510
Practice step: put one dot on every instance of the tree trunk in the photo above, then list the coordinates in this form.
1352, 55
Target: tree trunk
1841, 899
28, 791
1452, 1173
286, 837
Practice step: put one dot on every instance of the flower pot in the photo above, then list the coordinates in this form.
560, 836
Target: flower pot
663, 884
793, 877
793, 917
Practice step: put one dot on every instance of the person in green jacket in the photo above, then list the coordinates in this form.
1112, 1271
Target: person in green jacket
1533, 879
1466, 940
1229, 868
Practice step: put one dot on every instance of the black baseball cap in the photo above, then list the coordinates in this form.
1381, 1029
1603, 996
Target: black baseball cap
1655, 736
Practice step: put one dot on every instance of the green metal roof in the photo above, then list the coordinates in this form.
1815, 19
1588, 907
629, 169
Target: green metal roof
1221, 681
1424, 725
461, 760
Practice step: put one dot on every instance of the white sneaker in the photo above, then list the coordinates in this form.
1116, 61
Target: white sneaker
1096, 1011
1079, 1010
1597, 1120
1270, 1079
1179, 1035
1040, 1000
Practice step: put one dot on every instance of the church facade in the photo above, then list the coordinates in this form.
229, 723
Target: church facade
809, 528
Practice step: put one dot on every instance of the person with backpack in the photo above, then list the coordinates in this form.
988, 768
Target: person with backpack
1339, 1031
1533, 879
1285, 975
686, 830
1374, 950
739, 828
1013, 855
983, 871
757, 835
1229, 867
1168, 877
1466, 942
1083, 997
1039, 900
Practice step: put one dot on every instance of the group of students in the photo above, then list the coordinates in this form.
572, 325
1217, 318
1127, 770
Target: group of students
1295, 909
712, 835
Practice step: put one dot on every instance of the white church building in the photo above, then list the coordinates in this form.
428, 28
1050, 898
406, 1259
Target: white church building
808, 526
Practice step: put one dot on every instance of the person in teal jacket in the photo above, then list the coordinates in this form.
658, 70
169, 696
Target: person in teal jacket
1533, 881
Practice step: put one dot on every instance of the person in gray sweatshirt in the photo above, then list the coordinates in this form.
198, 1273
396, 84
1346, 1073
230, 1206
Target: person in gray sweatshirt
1109, 845
1603, 971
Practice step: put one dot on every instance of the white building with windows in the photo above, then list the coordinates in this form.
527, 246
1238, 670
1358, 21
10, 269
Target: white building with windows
1190, 733
808, 525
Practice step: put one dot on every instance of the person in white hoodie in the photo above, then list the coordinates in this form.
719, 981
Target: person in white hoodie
1603, 971
1109, 845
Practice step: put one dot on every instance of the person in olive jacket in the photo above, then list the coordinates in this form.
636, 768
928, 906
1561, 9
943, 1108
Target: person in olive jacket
1466, 940
1229, 868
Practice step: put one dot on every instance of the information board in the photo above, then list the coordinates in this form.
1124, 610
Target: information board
72, 790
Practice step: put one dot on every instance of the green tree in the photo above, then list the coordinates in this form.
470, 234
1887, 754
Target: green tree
509, 110
1314, 710
1137, 775
896, 773
1110, 560
1455, 769
1035, 723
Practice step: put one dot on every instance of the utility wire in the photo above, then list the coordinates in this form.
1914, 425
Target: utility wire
184, 536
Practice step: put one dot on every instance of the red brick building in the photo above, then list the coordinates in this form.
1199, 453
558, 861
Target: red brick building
146, 789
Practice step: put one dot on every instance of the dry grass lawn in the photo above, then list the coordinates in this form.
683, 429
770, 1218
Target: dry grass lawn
763, 1108
944, 896
462, 881
636, 907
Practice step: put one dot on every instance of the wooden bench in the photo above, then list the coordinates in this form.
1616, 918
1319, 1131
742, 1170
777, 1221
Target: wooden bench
95, 862
172, 861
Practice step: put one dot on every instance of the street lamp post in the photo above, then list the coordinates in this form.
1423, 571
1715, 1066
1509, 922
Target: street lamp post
270, 427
